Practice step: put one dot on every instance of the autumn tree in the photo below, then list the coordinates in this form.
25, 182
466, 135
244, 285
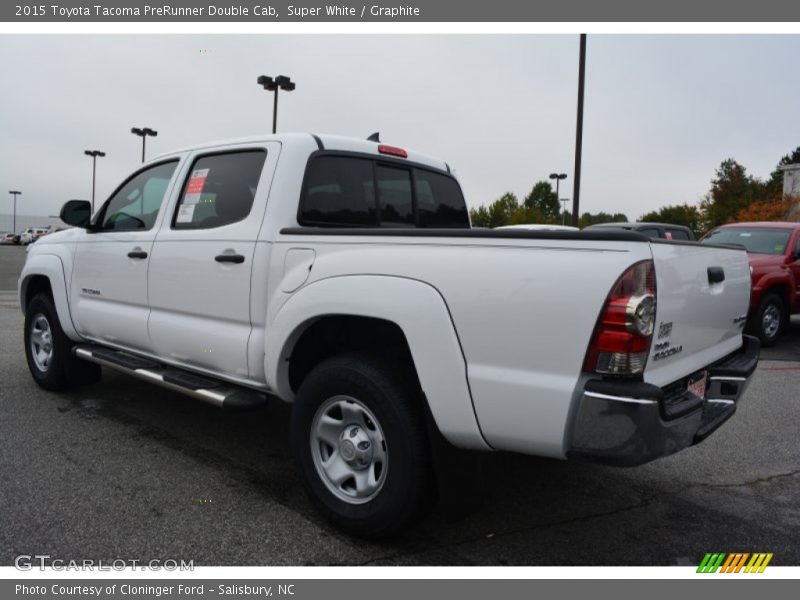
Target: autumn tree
776, 208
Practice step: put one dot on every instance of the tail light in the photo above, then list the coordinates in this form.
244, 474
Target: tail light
622, 336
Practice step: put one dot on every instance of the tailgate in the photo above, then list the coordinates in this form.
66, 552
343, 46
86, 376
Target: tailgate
703, 293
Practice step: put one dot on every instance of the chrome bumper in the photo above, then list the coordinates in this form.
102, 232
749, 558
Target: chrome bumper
631, 423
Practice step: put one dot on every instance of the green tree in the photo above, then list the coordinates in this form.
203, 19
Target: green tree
479, 216
678, 214
775, 182
544, 199
732, 190
601, 217
500, 212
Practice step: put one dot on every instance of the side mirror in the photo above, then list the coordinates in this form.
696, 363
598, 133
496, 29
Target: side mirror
77, 213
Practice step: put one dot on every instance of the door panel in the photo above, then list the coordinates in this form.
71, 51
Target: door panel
200, 270
108, 290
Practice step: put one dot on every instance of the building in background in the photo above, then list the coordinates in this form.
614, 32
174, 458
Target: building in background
791, 188
791, 179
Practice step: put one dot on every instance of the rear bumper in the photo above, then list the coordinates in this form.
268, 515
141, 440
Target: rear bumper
631, 423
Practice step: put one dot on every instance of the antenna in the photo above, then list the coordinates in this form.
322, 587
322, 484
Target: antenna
375, 137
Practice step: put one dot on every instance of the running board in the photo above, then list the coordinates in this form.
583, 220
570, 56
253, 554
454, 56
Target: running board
216, 392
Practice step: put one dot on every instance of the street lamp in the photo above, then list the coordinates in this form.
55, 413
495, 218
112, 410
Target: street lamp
94, 154
558, 177
273, 85
143, 133
15, 193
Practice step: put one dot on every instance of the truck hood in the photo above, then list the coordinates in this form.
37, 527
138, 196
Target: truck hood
59, 237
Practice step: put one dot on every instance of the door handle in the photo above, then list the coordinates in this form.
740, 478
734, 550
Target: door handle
716, 275
137, 254
229, 258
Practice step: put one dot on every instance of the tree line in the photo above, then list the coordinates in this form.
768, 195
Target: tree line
735, 195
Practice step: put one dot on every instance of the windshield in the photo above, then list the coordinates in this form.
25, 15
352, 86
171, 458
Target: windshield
760, 241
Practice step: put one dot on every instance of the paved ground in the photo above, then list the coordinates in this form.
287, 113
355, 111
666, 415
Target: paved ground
126, 470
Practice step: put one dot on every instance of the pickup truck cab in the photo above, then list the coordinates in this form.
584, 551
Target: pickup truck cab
343, 276
773, 249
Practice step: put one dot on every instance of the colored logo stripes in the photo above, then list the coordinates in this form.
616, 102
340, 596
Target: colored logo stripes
734, 562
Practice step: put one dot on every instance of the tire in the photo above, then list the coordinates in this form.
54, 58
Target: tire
388, 483
49, 350
769, 320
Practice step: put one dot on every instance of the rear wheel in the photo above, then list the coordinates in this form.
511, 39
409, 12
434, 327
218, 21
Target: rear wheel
770, 319
49, 350
358, 433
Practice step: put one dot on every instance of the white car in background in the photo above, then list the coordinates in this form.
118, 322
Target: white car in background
31, 234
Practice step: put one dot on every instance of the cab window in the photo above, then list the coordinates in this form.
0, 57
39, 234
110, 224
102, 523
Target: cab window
220, 189
135, 205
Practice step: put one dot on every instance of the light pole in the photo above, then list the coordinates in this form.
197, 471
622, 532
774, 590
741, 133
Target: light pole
143, 133
576, 189
15, 193
564, 212
558, 177
94, 154
273, 85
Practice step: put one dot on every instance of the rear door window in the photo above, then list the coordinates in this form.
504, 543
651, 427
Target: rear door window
219, 190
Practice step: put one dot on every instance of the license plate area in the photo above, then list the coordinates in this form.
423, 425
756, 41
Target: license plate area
697, 384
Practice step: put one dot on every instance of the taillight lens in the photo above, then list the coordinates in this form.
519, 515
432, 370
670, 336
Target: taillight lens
622, 336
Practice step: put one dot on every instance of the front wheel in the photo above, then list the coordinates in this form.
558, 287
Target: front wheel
769, 320
49, 350
358, 433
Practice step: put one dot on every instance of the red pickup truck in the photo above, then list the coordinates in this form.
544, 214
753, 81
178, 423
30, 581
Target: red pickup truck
774, 252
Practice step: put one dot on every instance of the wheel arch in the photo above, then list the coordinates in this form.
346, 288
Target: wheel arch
45, 273
409, 315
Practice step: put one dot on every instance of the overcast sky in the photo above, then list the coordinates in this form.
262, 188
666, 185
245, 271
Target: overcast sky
661, 111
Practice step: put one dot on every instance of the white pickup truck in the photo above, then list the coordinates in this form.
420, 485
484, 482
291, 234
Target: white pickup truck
342, 275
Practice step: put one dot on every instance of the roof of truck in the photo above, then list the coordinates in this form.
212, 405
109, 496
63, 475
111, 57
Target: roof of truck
328, 142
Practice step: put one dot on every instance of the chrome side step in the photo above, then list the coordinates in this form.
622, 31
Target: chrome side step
218, 393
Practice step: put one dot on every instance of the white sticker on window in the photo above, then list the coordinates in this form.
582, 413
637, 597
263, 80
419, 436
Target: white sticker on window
191, 199
185, 213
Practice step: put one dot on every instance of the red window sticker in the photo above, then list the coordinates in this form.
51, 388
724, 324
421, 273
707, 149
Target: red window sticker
197, 181
195, 186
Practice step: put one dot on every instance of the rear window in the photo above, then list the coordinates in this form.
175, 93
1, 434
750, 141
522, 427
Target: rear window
677, 234
650, 232
356, 191
759, 241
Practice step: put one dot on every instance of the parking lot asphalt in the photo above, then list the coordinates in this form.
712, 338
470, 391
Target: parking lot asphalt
126, 470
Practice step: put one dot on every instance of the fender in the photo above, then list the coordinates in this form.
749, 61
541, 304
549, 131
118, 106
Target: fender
420, 312
774, 279
50, 266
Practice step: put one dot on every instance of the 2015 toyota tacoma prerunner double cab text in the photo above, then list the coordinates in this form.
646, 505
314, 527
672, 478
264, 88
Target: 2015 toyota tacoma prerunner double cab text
342, 276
